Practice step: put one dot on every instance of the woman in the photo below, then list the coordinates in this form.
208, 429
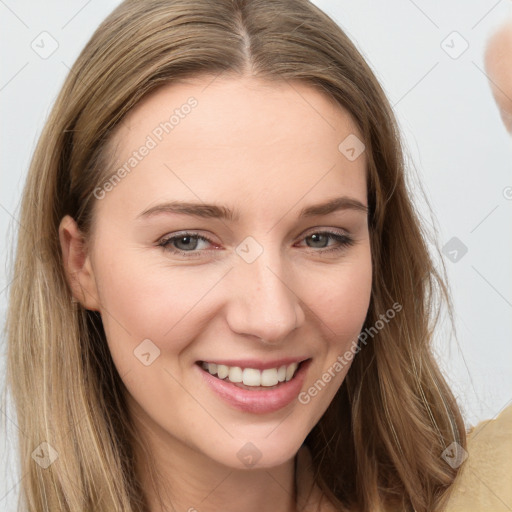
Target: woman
230, 302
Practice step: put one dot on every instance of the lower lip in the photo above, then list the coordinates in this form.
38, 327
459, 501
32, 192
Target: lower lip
258, 402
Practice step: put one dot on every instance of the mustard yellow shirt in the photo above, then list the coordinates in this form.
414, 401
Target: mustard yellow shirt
483, 484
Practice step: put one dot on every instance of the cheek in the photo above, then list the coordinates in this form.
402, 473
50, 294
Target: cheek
158, 303
340, 304
342, 300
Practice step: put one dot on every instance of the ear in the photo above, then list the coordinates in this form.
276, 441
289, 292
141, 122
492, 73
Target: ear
77, 264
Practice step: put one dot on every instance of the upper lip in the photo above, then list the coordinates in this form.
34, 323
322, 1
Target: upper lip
257, 364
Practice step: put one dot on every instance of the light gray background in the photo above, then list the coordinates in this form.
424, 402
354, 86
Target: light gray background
454, 138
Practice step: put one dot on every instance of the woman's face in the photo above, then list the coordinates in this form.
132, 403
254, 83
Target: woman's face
238, 237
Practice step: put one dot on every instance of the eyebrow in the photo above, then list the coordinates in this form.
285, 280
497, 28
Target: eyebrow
213, 211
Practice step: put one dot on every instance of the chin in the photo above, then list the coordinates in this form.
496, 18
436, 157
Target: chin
254, 453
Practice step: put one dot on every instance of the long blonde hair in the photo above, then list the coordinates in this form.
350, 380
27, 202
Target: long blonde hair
380, 441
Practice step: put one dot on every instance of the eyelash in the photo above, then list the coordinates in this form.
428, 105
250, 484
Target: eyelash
343, 240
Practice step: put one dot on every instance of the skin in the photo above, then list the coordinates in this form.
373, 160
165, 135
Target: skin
267, 150
499, 70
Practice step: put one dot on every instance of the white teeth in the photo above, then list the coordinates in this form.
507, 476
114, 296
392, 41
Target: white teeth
235, 374
269, 377
222, 371
251, 376
290, 370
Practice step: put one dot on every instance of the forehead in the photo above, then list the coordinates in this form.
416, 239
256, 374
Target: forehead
223, 104
221, 137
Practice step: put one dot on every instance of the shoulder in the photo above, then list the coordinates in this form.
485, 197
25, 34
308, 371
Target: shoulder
484, 482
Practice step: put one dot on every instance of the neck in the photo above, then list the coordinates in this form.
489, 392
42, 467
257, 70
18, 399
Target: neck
186, 480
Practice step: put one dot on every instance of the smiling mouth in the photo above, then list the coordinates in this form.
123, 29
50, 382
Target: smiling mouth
251, 378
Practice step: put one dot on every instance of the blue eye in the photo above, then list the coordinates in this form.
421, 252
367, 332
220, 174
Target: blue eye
323, 237
187, 243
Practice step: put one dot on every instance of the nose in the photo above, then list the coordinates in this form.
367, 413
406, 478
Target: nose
262, 302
